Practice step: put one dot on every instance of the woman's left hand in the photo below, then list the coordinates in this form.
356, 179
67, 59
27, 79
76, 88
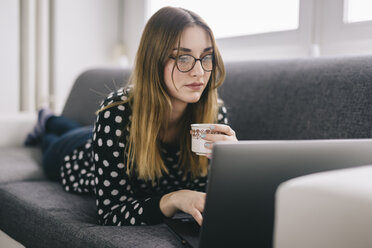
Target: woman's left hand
221, 132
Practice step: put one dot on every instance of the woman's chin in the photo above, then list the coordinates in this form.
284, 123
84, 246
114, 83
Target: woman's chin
189, 98
194, 99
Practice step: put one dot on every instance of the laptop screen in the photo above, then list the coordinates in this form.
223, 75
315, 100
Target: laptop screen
244, 176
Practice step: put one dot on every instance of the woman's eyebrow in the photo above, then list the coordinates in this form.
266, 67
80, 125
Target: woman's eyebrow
208, 49
183, 49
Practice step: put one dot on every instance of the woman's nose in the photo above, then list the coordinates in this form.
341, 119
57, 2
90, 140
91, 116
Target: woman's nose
198, 69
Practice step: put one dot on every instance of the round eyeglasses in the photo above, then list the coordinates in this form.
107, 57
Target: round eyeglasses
186, 63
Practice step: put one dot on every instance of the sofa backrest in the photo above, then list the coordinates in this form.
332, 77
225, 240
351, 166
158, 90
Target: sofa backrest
317, 98
314, 98
88, 91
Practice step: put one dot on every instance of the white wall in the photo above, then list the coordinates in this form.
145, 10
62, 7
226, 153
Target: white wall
134, 23
85, 34
46, 44
9, 56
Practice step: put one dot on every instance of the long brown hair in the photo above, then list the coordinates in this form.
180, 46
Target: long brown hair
151, 103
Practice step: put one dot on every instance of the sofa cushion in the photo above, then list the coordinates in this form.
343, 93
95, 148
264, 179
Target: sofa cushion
311, 98
20, 164
315, 98
90, 88
42, 214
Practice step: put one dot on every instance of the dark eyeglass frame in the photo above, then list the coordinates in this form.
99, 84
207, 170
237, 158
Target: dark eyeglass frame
195, 60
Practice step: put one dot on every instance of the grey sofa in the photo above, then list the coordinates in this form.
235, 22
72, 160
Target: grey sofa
315, 98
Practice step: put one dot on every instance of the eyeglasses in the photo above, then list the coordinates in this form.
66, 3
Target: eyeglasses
186, 63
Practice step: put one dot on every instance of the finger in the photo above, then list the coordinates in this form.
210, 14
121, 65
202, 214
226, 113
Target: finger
217, 137
225, 129
200, 205
208, 145
197, 216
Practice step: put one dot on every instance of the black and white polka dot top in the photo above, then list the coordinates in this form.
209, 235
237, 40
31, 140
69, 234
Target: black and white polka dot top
98, 167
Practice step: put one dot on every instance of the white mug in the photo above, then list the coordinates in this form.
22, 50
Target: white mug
197, 142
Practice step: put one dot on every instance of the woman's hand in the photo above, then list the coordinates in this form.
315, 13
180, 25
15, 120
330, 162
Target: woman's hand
188, 201
223, 133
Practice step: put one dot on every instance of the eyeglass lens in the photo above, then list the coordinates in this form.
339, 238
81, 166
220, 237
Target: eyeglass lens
185, 63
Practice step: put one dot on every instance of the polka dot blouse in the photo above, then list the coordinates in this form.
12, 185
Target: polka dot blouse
98, 168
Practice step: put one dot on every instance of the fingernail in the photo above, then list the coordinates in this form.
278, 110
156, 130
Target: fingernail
212, 127
203, 135
207, 145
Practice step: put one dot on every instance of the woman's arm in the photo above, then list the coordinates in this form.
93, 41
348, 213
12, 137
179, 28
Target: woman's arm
188, 201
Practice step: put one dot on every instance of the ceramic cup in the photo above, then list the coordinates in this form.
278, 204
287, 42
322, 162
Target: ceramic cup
197, 142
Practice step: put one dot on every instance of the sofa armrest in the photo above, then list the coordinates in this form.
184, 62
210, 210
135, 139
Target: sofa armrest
329, 209
15, 127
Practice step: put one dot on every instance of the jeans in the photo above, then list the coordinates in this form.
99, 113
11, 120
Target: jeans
61, 137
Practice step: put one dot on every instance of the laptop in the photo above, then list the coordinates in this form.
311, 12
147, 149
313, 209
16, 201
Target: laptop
242, 181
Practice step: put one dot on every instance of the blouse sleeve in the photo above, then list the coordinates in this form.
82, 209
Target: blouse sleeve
117, 198
222, 115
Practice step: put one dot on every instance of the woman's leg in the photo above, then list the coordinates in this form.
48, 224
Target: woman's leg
48, 140
35, 136
54, 153
60, 125
47, 123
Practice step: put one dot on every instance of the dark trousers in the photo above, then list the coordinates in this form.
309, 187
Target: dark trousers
62, 136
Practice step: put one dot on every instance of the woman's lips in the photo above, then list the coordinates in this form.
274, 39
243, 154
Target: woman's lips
195, 86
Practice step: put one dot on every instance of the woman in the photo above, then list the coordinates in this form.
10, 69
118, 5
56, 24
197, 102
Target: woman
138, 162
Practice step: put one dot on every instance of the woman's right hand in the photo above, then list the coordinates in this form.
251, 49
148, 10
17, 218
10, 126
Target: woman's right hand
188, 201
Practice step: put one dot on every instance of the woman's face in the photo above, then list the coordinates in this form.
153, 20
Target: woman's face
188, 86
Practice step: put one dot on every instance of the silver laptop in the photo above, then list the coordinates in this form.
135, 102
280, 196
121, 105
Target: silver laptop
242, 182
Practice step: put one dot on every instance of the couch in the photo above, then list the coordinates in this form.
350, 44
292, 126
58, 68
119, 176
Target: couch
312, 98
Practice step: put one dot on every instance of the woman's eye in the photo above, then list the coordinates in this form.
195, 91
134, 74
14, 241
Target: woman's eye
184, 59
208, 57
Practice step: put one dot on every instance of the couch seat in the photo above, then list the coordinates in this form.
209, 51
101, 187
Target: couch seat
41, 214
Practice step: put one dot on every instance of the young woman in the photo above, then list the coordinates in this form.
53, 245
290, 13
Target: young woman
138, 161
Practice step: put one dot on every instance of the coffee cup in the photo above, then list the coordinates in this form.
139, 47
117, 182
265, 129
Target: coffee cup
197, 142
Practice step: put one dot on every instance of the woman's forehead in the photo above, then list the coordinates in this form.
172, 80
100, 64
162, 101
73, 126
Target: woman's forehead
195, 39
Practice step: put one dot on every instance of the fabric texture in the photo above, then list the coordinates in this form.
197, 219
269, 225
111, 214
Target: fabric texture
42, 214
90, 88
316, 98
59, 146
20, 164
